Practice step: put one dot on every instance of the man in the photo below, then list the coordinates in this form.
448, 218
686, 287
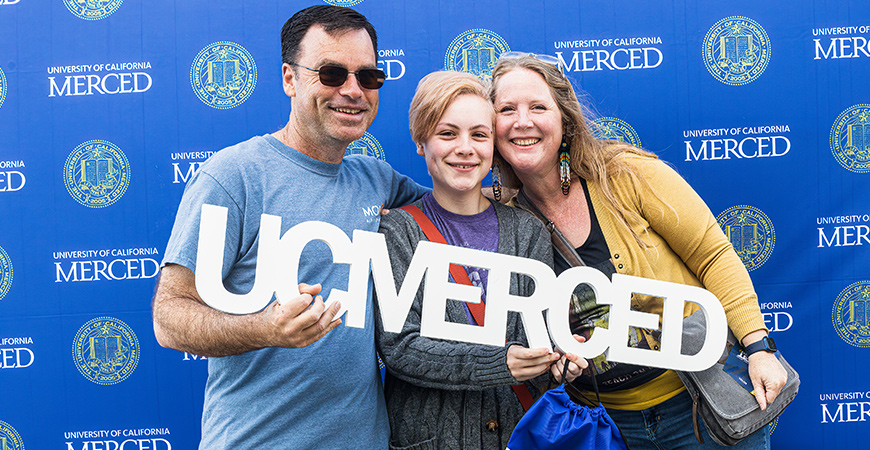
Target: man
286, 377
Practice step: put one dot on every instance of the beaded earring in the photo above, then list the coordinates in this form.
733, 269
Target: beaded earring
565, 168
496, 180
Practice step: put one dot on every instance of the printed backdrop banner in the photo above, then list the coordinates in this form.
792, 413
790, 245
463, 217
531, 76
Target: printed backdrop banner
107, 108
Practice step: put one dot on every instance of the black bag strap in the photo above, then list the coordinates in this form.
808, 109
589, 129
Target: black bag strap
576, 394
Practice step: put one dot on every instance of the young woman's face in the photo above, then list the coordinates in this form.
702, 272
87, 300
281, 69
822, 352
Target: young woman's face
528, 123
459, 152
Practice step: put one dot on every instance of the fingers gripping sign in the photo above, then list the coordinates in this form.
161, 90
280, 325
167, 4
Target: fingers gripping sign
527, 363
578, 364
303, 319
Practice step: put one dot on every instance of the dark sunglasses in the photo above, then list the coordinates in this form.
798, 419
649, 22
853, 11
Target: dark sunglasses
336, 76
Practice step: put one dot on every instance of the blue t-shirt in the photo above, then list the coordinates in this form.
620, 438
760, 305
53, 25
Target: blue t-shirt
327, 395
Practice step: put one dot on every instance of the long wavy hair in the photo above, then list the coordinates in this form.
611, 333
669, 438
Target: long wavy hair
592, 159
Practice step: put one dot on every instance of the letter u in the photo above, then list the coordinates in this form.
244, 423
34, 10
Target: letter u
210, 256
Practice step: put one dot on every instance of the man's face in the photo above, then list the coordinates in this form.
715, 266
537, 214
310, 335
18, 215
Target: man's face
332, 117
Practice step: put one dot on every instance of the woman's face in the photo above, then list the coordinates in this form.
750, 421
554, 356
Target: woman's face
459, 152
528, 123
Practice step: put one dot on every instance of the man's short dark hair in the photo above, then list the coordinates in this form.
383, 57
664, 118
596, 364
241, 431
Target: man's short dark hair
331, 18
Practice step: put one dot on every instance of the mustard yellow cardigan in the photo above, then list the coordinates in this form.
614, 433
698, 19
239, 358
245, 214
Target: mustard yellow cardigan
687, 246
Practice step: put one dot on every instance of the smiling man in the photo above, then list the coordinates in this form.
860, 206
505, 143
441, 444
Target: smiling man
286, 377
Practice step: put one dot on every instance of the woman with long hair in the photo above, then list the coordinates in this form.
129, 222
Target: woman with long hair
623, 211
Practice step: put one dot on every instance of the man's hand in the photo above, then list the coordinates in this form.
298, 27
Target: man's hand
527, 363
183, 321
302, 320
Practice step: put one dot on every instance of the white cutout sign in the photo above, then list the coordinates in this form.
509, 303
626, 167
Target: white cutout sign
278, 267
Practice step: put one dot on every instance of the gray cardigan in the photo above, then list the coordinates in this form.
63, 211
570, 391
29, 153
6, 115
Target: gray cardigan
441, 394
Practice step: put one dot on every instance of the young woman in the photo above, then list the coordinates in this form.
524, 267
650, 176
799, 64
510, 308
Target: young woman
443, 394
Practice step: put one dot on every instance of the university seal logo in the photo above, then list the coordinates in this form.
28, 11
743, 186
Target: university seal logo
3, 87
616, 129
366, 145
850, 138
106, 350
851, 316
736, 50
750, 231
96, 173
475, 51
9, 438
92, 9
223, 75
5, 273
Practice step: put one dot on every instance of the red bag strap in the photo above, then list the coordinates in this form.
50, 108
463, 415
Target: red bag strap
460, 276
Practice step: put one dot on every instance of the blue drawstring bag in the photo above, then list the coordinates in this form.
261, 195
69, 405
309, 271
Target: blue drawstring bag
556, 422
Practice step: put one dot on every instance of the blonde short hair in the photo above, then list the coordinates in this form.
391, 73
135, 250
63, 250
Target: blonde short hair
435, 92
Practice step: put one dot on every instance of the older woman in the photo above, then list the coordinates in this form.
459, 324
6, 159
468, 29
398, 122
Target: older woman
624, 211
454, 395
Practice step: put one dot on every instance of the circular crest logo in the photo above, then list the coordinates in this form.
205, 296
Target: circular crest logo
475, 51
366, 145
5, 273
223, 75
9, 438
3, 87
850, 315
850, 138
106, 350
750, 231
343, 2
617, 130
736, 50
96, 173
92, 9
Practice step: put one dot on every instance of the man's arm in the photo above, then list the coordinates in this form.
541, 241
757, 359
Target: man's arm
184, 322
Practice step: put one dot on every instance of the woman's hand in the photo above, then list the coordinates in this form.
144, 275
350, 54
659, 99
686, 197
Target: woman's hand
768, 377
765, 371
574, 370
527, 363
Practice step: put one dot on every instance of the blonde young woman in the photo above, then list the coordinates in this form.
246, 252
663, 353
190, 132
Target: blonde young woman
443, 394
624, 211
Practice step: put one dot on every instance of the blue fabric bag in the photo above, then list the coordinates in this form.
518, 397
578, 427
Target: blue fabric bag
556, 422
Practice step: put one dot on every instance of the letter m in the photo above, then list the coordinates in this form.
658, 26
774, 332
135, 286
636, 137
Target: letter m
832, 49
66, 276
183, 177
838, 417
575, 62
52, 88
690, 151
825, 242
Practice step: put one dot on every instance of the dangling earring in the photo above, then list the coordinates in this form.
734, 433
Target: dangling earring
565, 168
496, 180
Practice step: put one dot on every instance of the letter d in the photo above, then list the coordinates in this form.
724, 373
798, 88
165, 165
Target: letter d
9, 178
675, 295
18, 357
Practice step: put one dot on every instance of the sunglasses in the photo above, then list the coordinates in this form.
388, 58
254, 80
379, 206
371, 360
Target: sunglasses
336, 76
547, 59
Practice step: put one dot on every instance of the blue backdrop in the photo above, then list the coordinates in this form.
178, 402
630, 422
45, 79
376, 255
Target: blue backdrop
107, 108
